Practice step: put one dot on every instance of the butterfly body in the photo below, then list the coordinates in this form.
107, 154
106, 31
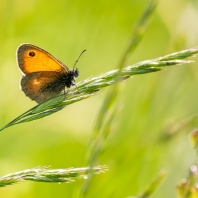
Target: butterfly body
44, 76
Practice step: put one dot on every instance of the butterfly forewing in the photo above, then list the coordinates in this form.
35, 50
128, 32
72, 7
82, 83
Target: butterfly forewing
31, 59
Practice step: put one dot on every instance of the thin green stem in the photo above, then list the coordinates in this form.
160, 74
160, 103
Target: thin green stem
42, 174
108, 109
91, 86
154, 185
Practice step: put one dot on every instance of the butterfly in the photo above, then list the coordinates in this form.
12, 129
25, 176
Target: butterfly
43, 75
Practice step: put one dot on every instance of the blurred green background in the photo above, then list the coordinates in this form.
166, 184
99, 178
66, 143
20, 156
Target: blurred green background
150, 106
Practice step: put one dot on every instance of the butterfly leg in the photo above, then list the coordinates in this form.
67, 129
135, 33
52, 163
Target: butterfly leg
65, 92
79, 90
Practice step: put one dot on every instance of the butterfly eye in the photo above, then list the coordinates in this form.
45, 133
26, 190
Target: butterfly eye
32, 54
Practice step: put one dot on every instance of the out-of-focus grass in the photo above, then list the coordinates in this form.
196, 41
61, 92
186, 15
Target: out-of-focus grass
149, 103
44, 174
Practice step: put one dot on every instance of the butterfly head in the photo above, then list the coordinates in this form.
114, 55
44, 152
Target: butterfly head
75, 72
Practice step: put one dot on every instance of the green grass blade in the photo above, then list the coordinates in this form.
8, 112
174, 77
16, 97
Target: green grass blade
154, 185
90, 86
108, 110
43, 174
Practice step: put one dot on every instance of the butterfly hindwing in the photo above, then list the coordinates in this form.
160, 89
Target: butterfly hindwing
40, 86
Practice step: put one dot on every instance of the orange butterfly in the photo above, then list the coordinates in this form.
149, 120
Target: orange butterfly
44, 76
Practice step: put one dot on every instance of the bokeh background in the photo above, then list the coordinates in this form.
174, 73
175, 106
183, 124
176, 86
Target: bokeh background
150, 107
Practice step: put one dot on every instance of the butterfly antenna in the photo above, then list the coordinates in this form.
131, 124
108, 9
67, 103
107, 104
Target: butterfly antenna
78, 59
